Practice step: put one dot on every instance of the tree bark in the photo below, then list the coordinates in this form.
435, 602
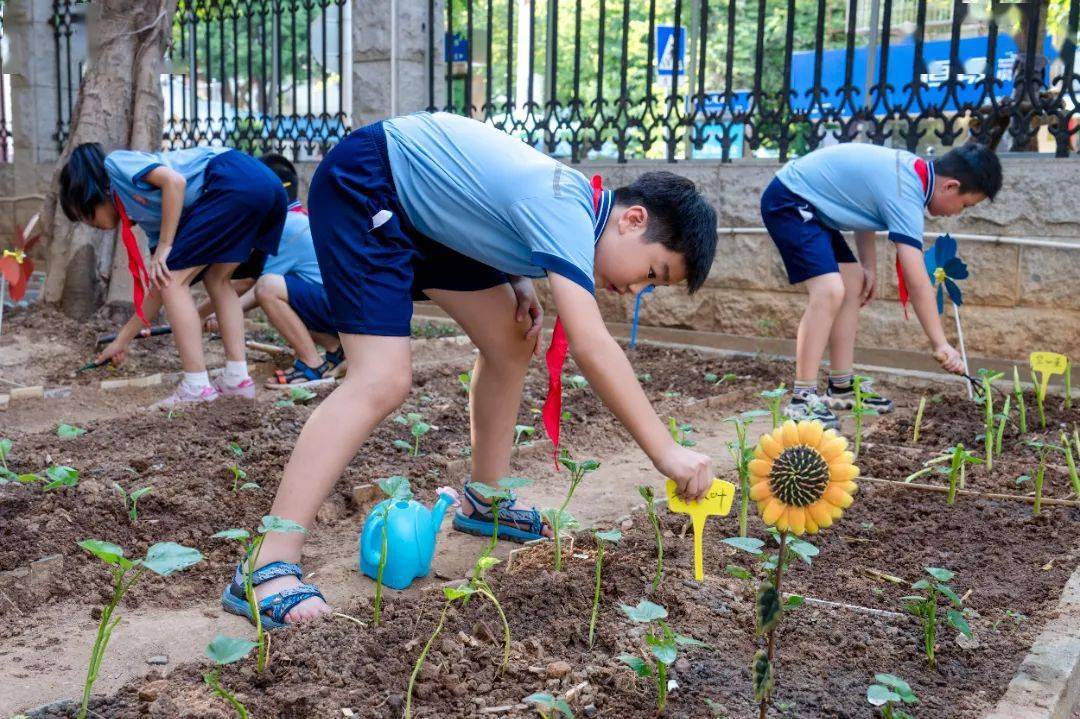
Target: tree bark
120, 106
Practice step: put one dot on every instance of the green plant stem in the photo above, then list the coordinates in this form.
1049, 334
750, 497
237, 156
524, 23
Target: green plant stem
1073, 478
988, 422
918, 419
416, 446
1040, 398
253, 602
1068, 384
650, 510
764, 706
104, 633
954, 474
930, 628
485, 589
1001, 425
596, 591
661, 685
213, 680
1039, 475
376, 612
422, 657
495, 504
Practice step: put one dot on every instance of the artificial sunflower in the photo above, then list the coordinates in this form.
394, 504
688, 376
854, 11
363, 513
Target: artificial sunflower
801, 477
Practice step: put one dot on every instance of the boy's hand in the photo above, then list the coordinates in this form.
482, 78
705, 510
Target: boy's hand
528, 306
949, 358
869, 285
691, 471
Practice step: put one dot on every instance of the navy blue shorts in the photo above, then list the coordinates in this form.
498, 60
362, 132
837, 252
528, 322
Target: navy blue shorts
308, 301
808, 247
240, 210
374, 263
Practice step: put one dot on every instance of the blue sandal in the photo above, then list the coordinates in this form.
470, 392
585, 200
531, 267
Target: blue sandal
482, 521
274, 607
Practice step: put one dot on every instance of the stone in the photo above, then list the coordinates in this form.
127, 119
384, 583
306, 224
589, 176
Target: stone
149, 380
365, 495
24, 393
58, 392
152, 690
5, 400
44, 570
111, 384
1048, 278
483, 632
558, 669
158, 660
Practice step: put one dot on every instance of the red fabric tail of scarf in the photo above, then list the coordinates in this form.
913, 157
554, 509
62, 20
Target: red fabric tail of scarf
140, 277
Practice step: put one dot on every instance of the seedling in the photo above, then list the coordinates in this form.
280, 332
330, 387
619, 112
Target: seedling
396, 489
162, 559
925, 607
238, 475
613, 536
679, 431
578, 382
860, 410
644, 378
1002, 418
496, 496
5, 449
226, 650
1068, 384
663, 646
297, 395
1018, 392
131, 501
742, 452
465, 380
252, 544
549, 707
890, 694
523, 430
560, 519
57, 476
476, 585
1040, 399
1040, 473
986, 377
417, 428
646, 493
1016, 617
773, 398
958, 458
68, 431
712, 378
1070, 461
918, 419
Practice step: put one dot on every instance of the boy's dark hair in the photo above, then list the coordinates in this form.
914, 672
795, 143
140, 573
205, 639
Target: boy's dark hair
285, 171
680, 219
84, 184
975, 166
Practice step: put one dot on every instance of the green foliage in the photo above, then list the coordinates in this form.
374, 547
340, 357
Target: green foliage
773, 399
297, 395
646, 493
986, 377
1042, 449
417, 428
925, 607
663, 646
561, 519
226, 650
713, 378
1021, 409
918, 419
465, 381
397, 489
131, 501
679, 431
602, 538
523, 430
766, 608
548, 706
577, 382
1002, 418
958, 459
68, 431
890, 694
860, 410
743, 453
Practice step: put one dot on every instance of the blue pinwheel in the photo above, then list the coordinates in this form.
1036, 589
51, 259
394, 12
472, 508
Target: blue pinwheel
945, 268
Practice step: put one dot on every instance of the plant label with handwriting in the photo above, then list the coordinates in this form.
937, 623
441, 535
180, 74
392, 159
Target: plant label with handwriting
1047, 364
716, 503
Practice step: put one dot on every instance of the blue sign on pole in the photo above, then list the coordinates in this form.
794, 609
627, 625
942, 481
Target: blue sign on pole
667, 49
456, 48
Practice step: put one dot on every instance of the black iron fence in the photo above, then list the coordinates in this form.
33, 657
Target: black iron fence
724, 79
6, 148
69, 32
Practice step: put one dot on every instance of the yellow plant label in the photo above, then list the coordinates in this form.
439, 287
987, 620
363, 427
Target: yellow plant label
717, 502
1046, 364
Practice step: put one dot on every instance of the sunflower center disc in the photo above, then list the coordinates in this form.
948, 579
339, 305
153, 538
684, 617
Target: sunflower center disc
799, 476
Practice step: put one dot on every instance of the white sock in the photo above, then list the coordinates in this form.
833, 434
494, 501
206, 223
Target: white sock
235, 371
197, 380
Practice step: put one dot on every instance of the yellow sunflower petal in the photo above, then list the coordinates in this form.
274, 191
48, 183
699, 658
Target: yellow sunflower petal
782, 520
791, 433
778, 435
760, 467
819, 512
810, 433
834, 511
831, 449
769, 447
842, 472
836, 496
760, 491
811, 525
771, 513
849, 487
796, 518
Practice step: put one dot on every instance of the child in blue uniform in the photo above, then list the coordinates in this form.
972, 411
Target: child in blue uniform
447, 208
867, 189
201, 209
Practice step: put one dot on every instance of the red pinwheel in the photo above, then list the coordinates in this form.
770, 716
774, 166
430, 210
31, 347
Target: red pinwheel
15, 266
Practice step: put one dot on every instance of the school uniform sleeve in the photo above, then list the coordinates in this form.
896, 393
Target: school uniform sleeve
559, 233
903, 215
129, 167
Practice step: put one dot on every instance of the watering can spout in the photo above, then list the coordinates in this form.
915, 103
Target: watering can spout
447, 498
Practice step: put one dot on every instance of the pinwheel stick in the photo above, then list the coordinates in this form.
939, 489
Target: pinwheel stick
963, 351
3, 286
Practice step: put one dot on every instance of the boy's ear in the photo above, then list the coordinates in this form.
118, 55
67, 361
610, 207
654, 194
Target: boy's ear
633, 218
949, 184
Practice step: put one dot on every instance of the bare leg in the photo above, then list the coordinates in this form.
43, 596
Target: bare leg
378, 381
826, 297
230, 315
330, 343
273, 296
846, 323
498, 376
184, 319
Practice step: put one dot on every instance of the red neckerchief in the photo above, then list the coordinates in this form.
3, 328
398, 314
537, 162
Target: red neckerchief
140, 277
297, 207
556, 358
923, 171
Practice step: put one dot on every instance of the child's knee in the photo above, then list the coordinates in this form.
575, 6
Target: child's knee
827, 295
512, 351
269, 288
385, 391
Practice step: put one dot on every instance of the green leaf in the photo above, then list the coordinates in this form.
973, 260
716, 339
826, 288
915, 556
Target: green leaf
455, 593
512, 483
60, 476
524, 429
942, 575
746, 544
140, 492
105, 551
957, 621
69, 431
921, 584
249, 486
547, 701
396, 487
950, 594
899, 686
589, 465
738, 572
663, 649
226, 650
401, 419
486, 563
274, 523
239, 534
684, 641
560, 518
402, 444
164, 558
238, 451
711, 377
578, 382
762, 676
639, 665
645, 611
611, 535
28, 478
419, 429
767, 607
804, 550
794, 601
880, 696
5, 447
301, 395
488, 492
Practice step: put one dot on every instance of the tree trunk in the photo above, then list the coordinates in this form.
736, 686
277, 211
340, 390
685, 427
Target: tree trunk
120, 106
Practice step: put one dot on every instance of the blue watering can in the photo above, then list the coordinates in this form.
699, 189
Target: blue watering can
411, 530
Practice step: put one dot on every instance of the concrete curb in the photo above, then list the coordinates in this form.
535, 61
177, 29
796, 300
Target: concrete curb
1047, 686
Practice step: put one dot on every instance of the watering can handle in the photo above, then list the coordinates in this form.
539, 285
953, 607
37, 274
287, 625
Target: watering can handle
372, 540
